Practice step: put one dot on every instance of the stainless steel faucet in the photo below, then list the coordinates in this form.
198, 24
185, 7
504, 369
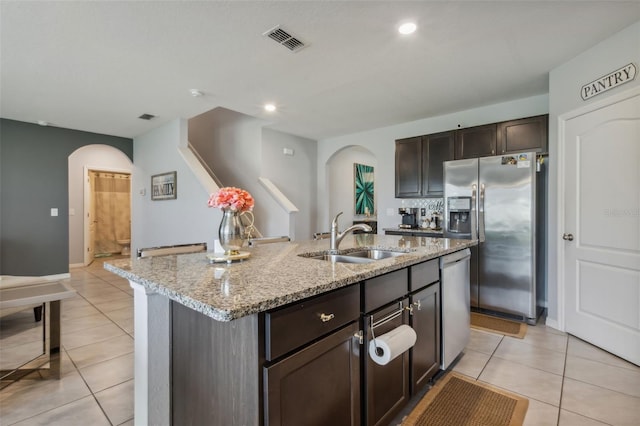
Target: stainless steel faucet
337, 236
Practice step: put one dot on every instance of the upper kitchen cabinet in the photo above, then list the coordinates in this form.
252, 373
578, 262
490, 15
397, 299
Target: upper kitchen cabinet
419, 164
478, 141
409, 167
436, 149
526, 134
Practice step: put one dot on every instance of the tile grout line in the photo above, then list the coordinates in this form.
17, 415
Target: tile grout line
564, 370
90, 390
490, 356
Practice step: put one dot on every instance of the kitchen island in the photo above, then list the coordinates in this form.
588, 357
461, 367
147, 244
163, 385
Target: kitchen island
194, 319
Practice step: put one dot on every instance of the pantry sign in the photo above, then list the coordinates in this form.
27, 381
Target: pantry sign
609, 81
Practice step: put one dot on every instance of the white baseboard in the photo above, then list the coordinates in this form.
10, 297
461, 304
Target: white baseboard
57, 276
552, 323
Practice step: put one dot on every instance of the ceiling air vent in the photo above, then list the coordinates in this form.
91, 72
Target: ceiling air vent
284, 38
147, 116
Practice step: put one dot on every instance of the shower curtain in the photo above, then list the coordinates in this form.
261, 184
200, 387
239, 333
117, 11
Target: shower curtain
112, 211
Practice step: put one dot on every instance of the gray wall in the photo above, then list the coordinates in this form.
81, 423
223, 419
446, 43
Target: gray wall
34, 179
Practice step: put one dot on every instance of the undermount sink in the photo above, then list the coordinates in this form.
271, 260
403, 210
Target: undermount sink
375, 254
359, 256
342, 258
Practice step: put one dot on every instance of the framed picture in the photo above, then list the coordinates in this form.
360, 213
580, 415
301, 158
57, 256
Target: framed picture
363, 189
164, 186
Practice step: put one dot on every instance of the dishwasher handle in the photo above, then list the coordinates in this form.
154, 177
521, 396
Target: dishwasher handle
458, 256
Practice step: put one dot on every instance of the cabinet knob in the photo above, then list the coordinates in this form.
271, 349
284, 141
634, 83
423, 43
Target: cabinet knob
417, 304
326, 317
567, 237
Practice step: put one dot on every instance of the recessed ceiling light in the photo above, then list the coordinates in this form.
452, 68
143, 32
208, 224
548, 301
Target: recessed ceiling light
43, 123
196, 93
407, 28
269, 107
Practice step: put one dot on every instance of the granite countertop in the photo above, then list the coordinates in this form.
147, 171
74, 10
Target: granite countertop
416, 230
273, 275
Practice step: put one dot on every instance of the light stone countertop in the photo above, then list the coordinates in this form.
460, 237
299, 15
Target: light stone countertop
274, 275
416, 230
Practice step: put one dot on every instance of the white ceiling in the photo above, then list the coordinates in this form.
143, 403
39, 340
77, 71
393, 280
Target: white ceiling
97, 65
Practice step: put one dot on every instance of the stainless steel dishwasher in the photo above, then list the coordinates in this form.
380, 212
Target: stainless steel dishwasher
456, 314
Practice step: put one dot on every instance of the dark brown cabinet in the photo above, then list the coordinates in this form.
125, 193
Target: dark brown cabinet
318, 385
436, 149
387, 386
419, 159
424, 310
478, 141
523, 135
315, 349
425, 320
409, 167
419, 164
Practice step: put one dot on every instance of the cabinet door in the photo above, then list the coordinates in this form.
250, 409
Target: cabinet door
479, 141
318, 385
409, 167
526, 134
436, 149
386, 386
425, 320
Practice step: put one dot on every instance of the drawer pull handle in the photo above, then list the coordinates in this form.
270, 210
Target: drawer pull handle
325, 317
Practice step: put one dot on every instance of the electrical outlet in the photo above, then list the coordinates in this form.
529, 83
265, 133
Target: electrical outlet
423, 211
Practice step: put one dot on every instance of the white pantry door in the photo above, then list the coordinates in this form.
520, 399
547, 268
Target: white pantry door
602, 213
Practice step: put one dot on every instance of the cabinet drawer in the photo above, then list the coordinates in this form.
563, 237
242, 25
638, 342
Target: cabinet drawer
384, 289
293, 326
424, 274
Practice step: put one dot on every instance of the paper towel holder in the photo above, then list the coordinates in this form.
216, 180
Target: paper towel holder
373, 324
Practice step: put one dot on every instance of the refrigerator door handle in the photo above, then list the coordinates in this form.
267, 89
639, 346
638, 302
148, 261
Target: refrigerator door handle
481, 236
474, 224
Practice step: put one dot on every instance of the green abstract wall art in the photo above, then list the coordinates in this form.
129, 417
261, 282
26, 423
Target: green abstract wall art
363, 189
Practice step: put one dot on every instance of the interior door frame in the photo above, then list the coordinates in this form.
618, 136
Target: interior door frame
86, 186
560, 212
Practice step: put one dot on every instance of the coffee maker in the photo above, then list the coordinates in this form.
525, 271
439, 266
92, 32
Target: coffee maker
409, 217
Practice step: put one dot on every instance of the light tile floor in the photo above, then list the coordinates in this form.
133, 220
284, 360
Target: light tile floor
96, 387
567, 381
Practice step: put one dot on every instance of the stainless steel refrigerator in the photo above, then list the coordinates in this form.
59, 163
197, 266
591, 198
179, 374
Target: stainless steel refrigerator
500, 201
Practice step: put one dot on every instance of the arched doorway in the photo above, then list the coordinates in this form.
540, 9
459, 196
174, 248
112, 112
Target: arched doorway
110, 166
340, 180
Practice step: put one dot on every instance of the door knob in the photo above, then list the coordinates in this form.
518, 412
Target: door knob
568, 237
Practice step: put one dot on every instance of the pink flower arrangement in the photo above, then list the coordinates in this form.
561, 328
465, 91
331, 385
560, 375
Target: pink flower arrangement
232, 198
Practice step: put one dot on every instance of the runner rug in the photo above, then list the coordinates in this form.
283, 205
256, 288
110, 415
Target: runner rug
498, 325
457, 400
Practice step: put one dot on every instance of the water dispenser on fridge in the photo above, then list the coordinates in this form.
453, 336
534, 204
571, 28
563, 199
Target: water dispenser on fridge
459, 220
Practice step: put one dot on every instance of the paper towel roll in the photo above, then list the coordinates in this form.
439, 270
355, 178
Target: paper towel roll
392, 344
